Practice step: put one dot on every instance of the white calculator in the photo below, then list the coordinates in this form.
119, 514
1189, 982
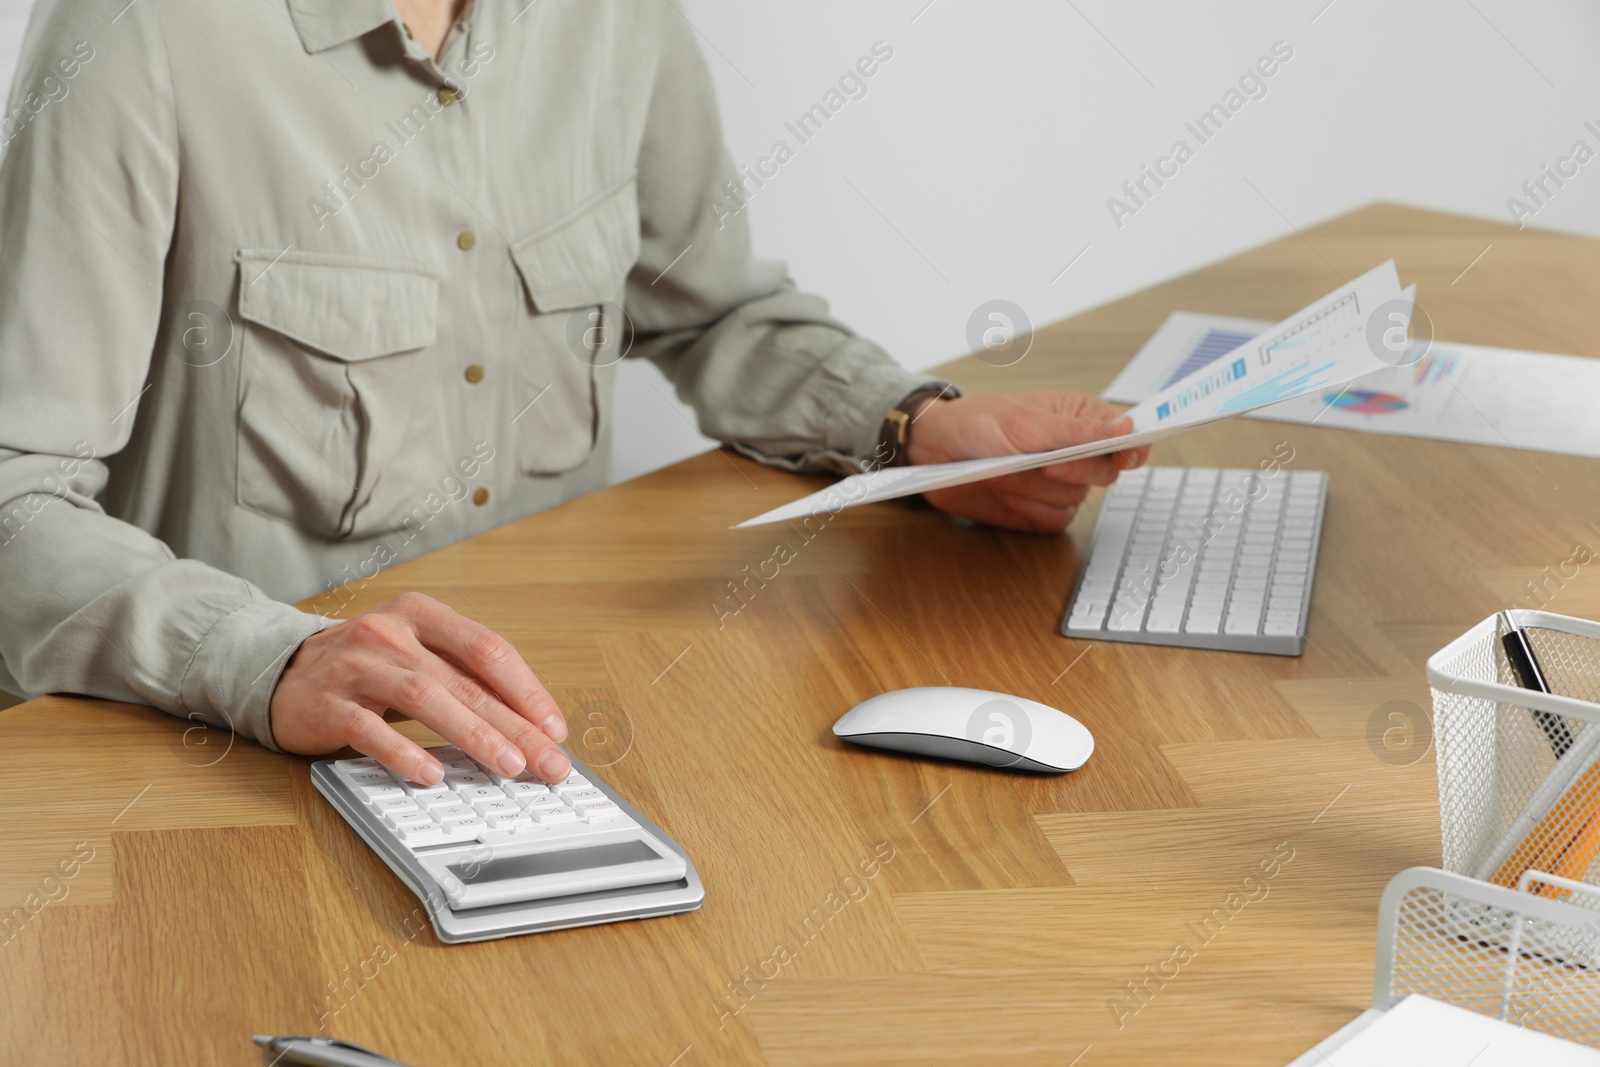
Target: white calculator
491, 856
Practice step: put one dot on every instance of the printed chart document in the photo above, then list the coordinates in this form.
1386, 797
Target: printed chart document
1452, 392
1353, 331
1420, 1032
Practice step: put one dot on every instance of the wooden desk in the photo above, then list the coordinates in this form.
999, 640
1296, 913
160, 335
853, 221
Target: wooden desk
1016, 913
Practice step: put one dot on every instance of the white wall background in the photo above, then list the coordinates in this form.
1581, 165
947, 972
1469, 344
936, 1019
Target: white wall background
979, 163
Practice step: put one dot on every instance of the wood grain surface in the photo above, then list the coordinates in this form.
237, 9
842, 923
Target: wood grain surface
1204, 891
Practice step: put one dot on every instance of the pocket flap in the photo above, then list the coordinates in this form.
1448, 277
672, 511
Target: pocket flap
345, 307
584, 257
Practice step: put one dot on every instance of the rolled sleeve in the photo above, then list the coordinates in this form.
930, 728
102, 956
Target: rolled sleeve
764, 366
236, 665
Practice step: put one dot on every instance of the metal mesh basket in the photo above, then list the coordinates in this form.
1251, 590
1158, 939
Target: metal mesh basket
1519, 771
1513, 956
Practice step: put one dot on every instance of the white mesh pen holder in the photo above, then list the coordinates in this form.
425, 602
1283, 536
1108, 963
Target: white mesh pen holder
1519, 770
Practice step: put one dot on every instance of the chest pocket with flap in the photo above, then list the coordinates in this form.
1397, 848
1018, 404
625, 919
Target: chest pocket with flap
329, 388
573, 272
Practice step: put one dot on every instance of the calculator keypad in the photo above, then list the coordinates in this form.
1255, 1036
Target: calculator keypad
474, 804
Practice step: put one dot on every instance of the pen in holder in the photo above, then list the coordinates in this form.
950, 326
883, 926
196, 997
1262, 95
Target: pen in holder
1516, 704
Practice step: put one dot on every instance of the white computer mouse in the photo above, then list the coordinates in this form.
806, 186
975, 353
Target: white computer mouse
970, 725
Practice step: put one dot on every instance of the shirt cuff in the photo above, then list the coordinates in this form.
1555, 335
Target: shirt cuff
230, 681
857, 394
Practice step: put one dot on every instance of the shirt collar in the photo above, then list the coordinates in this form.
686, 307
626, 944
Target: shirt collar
325, 23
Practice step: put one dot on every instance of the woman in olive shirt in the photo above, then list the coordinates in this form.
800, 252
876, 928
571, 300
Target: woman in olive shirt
281, 277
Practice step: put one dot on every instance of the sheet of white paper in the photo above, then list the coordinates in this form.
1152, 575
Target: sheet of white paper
1419, 1032
1473, 394
1334, 340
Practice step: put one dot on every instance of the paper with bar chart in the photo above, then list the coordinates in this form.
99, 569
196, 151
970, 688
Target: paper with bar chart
1473, 394
1354, 330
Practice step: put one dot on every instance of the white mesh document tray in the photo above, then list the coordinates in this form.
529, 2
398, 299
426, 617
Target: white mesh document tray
1513, 956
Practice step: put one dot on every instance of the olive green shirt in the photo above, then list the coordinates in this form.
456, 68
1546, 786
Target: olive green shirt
283, 301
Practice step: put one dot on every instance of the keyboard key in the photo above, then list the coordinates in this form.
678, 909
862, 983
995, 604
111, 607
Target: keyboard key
1163, 623
1128, 619
1088, 614
1279, 627
1242, 623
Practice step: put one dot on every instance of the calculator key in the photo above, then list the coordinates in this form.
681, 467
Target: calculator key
579, 796
509, 821
420, 833
524, 790
459, 780
544, 801
374, 793
569, 787
366, 763
461, 766
474, 794
454, 813
466, 827
547, 816
596, 810
370, 776
399, 819
395, 804
417, 792
501, 806
432, 801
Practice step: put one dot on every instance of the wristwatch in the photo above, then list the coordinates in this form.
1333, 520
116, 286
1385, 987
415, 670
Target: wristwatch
897, 423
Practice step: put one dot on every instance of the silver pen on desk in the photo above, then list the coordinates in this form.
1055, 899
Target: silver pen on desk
322, 1052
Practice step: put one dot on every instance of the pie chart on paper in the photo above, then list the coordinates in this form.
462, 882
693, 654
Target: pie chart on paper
1366, 402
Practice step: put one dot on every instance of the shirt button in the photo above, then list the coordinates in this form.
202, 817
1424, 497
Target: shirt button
480, 496
466, 240
474, 373
448, 96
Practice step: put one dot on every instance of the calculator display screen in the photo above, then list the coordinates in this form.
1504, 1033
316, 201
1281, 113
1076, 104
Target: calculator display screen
541, 863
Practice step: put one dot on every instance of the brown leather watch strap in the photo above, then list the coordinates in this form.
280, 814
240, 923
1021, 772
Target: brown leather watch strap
897, 420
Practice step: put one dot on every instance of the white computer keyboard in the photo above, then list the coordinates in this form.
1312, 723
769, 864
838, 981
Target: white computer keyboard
492, 855
1202, 558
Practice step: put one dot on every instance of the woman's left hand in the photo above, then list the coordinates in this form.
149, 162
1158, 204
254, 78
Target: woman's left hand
1037, 501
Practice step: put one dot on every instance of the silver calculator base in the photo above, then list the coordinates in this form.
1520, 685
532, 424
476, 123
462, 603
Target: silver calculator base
519, 917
